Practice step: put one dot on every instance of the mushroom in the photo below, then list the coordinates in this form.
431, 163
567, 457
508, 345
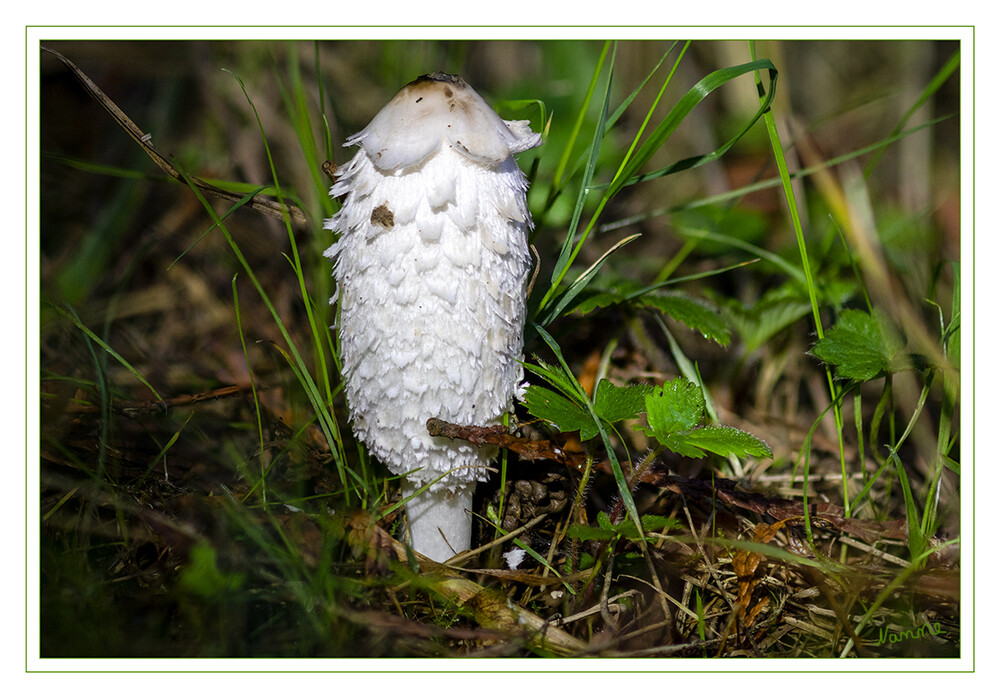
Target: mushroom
431, 266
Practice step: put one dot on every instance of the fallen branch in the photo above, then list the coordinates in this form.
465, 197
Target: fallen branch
719, 490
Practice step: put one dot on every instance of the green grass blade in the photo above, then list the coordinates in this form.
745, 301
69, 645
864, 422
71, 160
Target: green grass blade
915, 538
628, 175
72, 317
253, 391
935, 84
315, 326
771, 183
583, 279
619, 475
327, 421
568, 253
557, 177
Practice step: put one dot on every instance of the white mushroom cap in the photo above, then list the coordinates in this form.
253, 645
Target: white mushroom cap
436, 109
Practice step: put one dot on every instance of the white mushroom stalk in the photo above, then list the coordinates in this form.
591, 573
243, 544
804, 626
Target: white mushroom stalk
431, 268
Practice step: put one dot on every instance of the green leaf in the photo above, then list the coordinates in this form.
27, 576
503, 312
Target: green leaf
767, 317
554, 375
626, 528
859, 346
585, 532
722, 441
202, 575
674, 412
609, 289
565, 414
650, 522
678, 443
676, 406
696, 314
613, 403
655, 522
604, 521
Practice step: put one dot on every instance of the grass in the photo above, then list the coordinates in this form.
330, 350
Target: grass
741, 437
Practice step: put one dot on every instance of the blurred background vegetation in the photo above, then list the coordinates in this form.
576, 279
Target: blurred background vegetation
156, 535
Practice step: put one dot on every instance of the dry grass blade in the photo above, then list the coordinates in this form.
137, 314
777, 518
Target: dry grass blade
257, 203
490, 608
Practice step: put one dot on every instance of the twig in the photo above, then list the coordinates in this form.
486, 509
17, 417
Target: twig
462, 557
144, 140
595, 609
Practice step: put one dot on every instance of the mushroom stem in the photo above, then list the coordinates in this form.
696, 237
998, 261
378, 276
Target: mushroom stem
440, 519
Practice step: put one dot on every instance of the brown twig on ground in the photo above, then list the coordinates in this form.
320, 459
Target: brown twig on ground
527, 449
135, 408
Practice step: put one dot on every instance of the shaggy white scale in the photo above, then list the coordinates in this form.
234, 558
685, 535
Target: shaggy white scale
431, 267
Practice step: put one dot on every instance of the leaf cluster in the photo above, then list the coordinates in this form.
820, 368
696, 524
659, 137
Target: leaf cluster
675, 412
626, 528
693, 312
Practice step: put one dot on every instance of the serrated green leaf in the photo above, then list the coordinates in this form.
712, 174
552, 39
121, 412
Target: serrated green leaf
613, 403
765, 319
695, 313
650, 522
655, 522
585, 532
626, 528
858, 346
698, 314
677, 442
677, 405
552, 407
609, 289
725, 441
595, 301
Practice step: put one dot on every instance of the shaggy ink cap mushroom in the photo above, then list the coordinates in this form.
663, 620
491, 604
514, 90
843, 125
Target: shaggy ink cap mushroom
431, 266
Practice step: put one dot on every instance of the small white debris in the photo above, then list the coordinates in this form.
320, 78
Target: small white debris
521, 390
514, 558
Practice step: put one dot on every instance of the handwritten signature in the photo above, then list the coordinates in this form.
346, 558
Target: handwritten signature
887, 637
